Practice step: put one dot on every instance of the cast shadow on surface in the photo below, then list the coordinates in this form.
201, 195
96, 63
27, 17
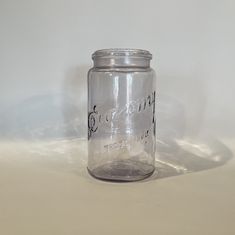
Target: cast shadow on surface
180, 150
189, 155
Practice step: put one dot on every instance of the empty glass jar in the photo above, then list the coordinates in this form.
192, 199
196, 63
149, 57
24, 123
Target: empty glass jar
121, 115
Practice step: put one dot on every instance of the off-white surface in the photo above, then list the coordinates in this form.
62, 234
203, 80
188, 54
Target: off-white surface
42, 195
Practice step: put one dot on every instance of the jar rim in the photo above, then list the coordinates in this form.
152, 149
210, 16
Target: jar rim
122, 52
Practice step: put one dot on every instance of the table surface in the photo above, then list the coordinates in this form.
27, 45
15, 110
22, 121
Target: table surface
45, 189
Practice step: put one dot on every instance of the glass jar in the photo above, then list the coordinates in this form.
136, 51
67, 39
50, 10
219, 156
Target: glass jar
121, 115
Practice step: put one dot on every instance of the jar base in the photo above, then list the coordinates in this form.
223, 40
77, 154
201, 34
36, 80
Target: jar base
122, 171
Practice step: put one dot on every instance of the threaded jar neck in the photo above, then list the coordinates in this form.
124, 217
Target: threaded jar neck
117, 57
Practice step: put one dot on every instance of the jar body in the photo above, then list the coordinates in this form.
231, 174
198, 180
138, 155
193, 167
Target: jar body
121, 123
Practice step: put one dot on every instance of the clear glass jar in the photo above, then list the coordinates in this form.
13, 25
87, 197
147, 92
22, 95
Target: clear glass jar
121, 115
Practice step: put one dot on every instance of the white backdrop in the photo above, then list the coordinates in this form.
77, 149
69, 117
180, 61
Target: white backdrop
45, 52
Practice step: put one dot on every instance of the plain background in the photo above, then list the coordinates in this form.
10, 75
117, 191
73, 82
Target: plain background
46, 47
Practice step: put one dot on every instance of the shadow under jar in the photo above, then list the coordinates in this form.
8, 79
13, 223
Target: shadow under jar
121, 115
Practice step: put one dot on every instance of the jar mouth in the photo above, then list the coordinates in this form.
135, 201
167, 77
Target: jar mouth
122, 52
